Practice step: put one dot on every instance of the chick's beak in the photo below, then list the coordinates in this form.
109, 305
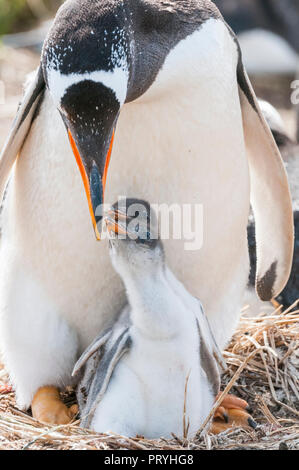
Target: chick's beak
116, 222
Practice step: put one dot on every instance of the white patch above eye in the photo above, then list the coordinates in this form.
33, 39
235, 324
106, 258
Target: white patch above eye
116, 80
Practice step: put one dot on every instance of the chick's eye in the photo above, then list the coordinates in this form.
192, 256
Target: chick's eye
145, 238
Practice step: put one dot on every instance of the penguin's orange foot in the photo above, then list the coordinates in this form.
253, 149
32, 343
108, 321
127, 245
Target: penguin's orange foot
233, 412
48, 408
4, 389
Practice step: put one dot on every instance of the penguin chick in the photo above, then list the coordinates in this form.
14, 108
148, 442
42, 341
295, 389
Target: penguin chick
160, 357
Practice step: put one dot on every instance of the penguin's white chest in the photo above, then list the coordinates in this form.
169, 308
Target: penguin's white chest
181, 143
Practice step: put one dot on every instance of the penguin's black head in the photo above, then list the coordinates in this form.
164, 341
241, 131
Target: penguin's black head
134, 220
134, 234
86, 67
102, 54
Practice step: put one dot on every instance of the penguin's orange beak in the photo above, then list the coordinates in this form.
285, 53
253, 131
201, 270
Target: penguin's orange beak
94, 184
90, 112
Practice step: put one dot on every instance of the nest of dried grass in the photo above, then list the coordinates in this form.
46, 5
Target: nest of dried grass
263, 368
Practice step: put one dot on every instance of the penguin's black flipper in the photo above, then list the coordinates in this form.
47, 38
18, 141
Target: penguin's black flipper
291, 292
270, 196
100, 360
20, 128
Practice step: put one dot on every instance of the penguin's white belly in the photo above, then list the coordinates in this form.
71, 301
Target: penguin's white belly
146, 394
181, 145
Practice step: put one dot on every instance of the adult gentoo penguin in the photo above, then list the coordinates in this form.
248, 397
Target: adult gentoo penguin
166, 78
160, 354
